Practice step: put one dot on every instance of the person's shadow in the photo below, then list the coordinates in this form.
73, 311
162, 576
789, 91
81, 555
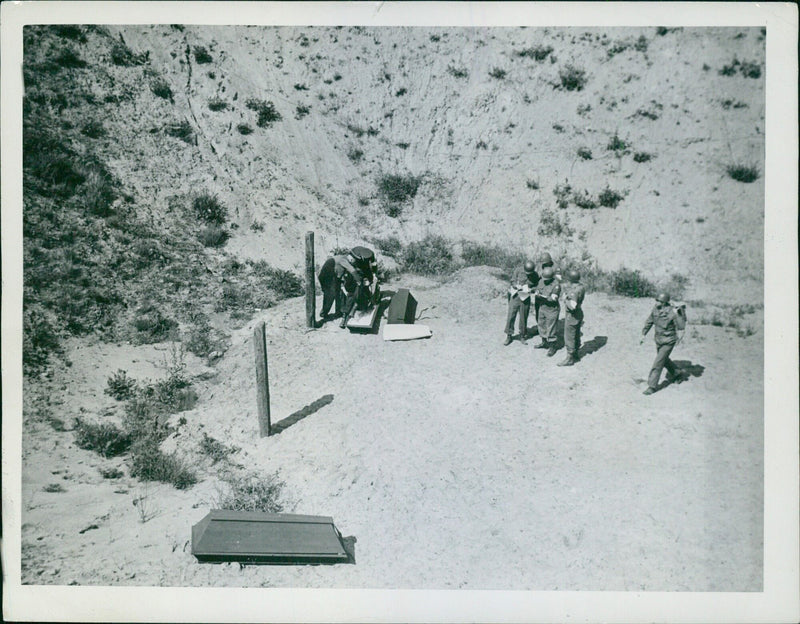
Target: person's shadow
592, 346
686, 370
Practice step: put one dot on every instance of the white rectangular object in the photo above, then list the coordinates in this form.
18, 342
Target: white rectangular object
406, 332
363, 319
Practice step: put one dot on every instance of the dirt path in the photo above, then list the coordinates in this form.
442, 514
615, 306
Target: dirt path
456, 462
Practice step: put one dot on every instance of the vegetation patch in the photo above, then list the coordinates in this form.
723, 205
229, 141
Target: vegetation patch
152, 325
267, 113
395, 190
390, 246
201, 55
631, 284
149, 463
244, 128
498, 73
538, 53
123, 56
457, 72
180, 130
480, 254
104, 438
250, 492
355, 154
743, 173
585, 153
301, 111
215, 450
430, 256
119, 386
617, 145
641, 157
161, 88
571, 78
213, 236
209, 209
610, 198
217, 104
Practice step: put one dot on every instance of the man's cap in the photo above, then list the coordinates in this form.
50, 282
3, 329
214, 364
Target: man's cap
362, 254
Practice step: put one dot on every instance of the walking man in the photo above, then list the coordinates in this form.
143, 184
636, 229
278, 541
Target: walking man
574, 292
523, 282
547, 296
668, 332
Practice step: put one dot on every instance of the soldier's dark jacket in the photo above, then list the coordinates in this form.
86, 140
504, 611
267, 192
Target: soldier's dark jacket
576, 292
663, 319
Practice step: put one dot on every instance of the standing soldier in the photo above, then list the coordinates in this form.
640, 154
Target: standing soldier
668, 332
549, 308
574, 293
523, 282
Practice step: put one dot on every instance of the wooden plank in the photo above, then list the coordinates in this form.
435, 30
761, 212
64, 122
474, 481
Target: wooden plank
406, 332
225, 535
311, 295
262, 378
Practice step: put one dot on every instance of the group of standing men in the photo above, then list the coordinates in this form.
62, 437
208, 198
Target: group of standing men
349, 281
544, 286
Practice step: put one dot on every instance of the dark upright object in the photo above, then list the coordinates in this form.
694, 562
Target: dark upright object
402, 308
311, 294
262, 378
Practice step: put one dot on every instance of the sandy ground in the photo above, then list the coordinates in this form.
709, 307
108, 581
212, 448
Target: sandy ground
454, 462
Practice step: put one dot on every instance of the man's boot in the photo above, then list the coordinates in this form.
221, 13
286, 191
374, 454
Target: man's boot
569, 361
541, 345
507, 341
522, 339
552, 350
649, 391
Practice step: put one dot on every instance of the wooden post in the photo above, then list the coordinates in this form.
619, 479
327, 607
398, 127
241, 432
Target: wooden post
311, 293
262, 378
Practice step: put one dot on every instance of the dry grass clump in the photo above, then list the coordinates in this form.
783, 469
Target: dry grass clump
251, 492
743, 173
571, 78
180, 130
217, 104
119, 386
267, 113
161, 88
104, 438
430, 256
395, 190
201, 55
209, 209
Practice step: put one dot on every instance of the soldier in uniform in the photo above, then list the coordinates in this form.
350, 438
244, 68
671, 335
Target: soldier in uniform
523, 282
574, 293
547, 296
361, 286
331, 278
668, 332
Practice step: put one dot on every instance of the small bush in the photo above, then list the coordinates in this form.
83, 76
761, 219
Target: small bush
610, 198
202, 339
743, 173
551, 225
398, 188
355, 154
631, 284
571, 78
563, 193
750, 70
119, 386
123, 56
585, 153
538, 53
209, 209
641, 44
40, 338
149, 463
300, 87
457, 72
391, 246
532, 184
201, 55
151, 325
252, 493
641, 157
498, 73
584, 200
161, 88
616, 144
213, 236
111, 473
215, 450
180, 130
244, 129
257, 226
54, 488
69, 58
104, 438
301, 111
480, 254
401, 91
70, 31
430, 256
217, 104
267, 113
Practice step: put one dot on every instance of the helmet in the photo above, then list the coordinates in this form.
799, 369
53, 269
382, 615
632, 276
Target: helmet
548, 272
530, 267
663, 297
545, 258
573, 275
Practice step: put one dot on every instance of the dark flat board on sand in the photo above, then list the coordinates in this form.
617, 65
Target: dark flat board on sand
256, 537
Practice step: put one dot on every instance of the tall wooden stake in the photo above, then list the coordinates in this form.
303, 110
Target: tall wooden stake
262, 378
311, 294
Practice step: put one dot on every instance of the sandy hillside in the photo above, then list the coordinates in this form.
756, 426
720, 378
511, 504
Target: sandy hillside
454, 462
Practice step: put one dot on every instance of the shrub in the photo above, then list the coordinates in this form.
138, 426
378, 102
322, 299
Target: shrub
563, 193
252, 493
214, 449
180, 130
119, 386
750, 69
70, 31
149, 463
641, 44
201, 55
398, 188
244, 128
631, 284
391, 246
538, 53
616, 144
641, 157
498, 73
479, 254
123, 56
609, 198
285, 283
257, 226
301, 111
93, 129
457, 72
532, 184
54, 488
151, 325
104, 438
40, 338
161, 88
209, 209
202, 339
355, 154
111, 473
98, 192
551, 225
300, 87
217, 104
584, 200
571, 78
585, 153
743, 173
69, 58
213, 236
267, 113
430, 256
401, 91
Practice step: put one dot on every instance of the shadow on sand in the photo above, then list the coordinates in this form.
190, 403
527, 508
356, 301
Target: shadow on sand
299, 415
592, 346
686, 370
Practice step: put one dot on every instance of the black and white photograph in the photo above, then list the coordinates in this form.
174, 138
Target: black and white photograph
400, 296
